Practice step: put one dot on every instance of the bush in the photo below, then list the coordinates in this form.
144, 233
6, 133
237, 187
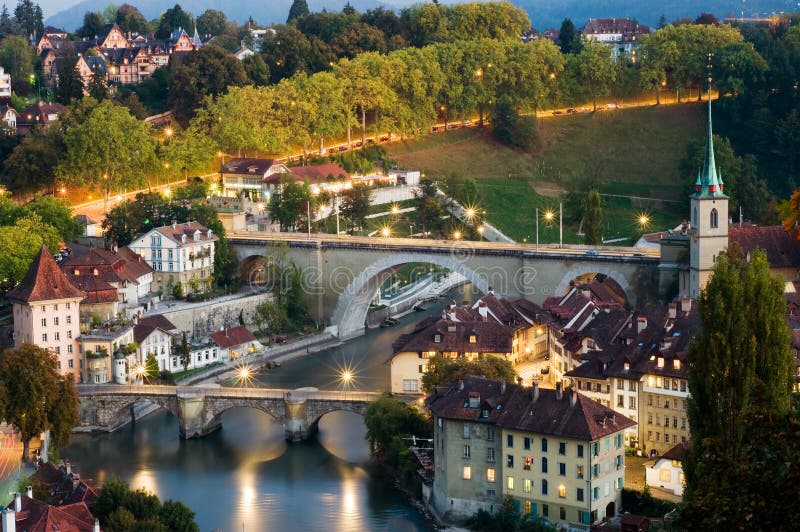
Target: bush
514, 130
643, 503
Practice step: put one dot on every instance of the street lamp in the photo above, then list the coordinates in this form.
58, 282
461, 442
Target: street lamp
386, 232
480, 231
457, 235
549, 216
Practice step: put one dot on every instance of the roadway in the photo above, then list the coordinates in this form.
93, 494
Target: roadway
401, 244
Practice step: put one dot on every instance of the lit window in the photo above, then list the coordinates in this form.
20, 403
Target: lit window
510, 483
562, 491
490, 474
664, 475
473, 339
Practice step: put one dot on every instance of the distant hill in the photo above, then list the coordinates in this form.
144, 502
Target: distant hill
543, 13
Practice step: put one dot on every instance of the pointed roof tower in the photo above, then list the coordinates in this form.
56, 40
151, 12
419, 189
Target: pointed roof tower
709, 180
44, 282
196, 37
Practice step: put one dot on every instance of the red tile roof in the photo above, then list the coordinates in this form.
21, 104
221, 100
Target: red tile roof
232, 337
319, 172
677, 452
177, 231
37, 516
782, 250
247, 166
157, 320
490, 337
564, 414
44, 281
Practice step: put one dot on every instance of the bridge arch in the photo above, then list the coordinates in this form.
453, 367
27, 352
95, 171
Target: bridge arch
353, 303
579, 270
275, 410
122, 411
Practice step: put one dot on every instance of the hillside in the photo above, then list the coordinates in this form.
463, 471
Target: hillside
543, 13
635, 153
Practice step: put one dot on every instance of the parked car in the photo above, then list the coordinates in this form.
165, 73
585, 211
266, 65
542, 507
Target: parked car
592, 252
557, 112
572, 111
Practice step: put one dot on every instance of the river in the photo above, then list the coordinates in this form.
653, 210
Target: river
246, 477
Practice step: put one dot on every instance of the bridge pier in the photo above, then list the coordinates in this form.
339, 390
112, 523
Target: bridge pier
192, 406
296, 421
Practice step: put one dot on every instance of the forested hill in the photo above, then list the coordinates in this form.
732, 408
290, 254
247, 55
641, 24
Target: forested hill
543, 13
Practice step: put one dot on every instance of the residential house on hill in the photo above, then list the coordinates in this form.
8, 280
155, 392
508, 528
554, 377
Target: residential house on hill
45, 308
622, 35
783, 251
36, 115
667, 471
247, 177
178, 253
27, 514
558, 454
234, 342
5, 84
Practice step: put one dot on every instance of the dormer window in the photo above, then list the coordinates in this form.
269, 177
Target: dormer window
485, 413
627, 366
437, 338
76, 272
183, 239
676, 363
714, 219
95, 272
473, 339
660, 362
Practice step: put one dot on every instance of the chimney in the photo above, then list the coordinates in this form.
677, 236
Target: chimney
559, 390
573, 397
502, 387
461, 384
474, 399
68, 467
641, 324
535, 394
17, 502
483, 310
9, 521
491, 291
96, 527
174, 224
673, 310
29, 492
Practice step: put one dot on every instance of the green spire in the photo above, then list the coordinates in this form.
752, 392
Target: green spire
708, 183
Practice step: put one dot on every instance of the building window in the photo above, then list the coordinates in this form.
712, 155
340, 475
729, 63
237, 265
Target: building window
44, 337
509, 460
527, 506
490, 455
579, 494
544, 465
562, 513
509, 441
620, 401
527, 485
714, 219
595, 493
562, 448
526, 443
544, 445
473, 339
410, 385
44, 322
437, 338
580, 471
631, 386
510, 483
490, 434
466, 430
491, 494
632, 403
490, 474
55, 321
527, 462
664, 475
58, 352
466, 473
544, 487
580, 451
57, 336
69, 349
69, 334
466, 452
70, 363
562, 469
58, 365
69, 320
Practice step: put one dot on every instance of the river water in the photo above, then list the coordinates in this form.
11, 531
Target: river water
246, 477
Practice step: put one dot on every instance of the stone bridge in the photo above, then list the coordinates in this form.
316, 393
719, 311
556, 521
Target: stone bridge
199, 409
342, 274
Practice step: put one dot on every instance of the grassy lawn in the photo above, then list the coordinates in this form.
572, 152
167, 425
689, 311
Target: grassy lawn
629, 152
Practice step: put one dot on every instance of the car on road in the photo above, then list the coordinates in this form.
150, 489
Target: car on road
557, 112
572, 111
592, 253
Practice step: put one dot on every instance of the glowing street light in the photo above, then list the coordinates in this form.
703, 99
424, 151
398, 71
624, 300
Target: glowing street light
168, 132
469, 213
395, 210
457, 235
643, 220
480, 231
386, 232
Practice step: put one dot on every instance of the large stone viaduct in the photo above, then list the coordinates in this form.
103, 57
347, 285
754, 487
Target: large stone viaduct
342, 274
199, 409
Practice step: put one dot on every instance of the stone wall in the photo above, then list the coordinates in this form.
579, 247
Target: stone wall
208, 316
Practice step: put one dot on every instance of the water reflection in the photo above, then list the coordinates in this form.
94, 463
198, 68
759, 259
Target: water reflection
246, 477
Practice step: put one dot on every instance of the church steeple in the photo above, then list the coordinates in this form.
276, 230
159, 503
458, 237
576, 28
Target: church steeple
709, 181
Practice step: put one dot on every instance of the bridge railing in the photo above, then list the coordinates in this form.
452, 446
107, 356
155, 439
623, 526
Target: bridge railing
211, 391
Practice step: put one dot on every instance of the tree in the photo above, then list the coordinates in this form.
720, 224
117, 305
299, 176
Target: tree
442, 370
70, 83
569, 39
31, 167
111, 150
93, 23
299, 9
171, 20
38, 397
292, 204
29, 17
428, 206
593, 218
270, 317
596, 69
8, 26
121, 510
741, 374
512, 129
21, 243
386, 418
205, 72
98, 88
151, 366
185, 352
134, 105
177, 517
257, 70
130, 19
17, 58
355, 204
212, 22
56, 213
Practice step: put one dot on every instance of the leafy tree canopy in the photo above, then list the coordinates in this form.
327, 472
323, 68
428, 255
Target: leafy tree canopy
443, 370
